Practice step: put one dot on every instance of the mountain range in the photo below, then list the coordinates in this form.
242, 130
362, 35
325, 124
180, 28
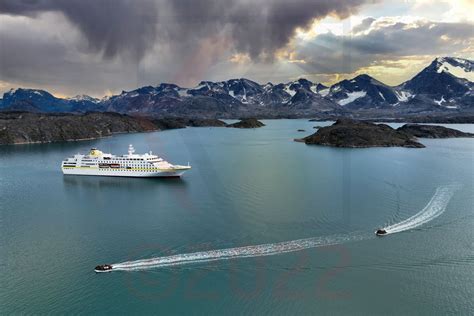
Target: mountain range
444, 86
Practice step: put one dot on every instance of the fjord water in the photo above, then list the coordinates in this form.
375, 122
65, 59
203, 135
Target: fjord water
247, 187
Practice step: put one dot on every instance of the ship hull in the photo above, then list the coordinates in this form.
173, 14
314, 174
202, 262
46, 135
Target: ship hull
124, 172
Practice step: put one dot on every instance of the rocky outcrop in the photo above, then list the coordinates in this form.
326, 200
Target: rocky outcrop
247, 123
206, 123
172, 123
22, 127
432, 131
26, 127
169, 123
357, 134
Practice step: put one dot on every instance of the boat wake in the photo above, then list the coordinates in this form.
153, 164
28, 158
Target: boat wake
435, 207
240, 252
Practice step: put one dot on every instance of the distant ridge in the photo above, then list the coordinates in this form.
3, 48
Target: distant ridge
444, 86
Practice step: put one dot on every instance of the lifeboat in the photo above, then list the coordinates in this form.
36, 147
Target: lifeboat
380, 232
103, 268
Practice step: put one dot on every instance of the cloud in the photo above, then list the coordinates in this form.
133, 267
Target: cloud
93, 46
42, 53
111, 27
117, 26
114, 44
364, 25
376, 40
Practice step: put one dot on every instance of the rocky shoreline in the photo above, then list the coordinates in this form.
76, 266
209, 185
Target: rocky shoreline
35, 128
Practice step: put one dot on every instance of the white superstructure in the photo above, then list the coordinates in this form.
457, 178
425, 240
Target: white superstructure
97, 163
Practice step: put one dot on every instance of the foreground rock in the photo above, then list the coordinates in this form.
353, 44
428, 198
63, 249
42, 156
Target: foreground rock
432, 131
247, 123
356, 134
25, 127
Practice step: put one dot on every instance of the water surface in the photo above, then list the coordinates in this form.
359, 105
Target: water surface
247, 187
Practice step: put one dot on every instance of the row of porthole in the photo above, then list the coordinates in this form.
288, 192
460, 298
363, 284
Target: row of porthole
117, 169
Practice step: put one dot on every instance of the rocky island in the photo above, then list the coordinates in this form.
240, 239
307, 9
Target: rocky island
357, 134
360, 134
432, 131
247, 123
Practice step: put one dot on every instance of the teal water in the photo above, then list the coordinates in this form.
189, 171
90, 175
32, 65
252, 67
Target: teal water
247, 187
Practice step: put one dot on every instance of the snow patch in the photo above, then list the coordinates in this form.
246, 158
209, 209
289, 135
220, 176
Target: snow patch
351, 97
324, 92
336, 88
440, 101
289, 91
456, 71
83, 97
403, 96
244, 97
381, 95
268, 86
182, 92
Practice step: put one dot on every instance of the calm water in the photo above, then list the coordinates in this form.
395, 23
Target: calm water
247, 187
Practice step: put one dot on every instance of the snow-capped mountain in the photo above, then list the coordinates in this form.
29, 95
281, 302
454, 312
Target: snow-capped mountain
83, 103
447, 82
33, 100
83, 98
445, 85
458, 67
363, 92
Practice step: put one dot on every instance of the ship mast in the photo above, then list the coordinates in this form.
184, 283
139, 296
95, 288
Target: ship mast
131, 150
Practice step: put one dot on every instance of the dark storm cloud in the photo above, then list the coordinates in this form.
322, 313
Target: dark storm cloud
254, 27
116, 26
330, 53
110, 26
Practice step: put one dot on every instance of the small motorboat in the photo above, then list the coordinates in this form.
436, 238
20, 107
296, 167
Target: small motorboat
381, 232
103, 268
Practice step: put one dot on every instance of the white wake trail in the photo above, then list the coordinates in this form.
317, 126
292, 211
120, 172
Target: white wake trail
435, 207
240, 252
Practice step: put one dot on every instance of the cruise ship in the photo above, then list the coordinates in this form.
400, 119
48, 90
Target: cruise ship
97, 163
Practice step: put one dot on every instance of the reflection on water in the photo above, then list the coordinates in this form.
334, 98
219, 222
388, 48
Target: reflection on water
94, 182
